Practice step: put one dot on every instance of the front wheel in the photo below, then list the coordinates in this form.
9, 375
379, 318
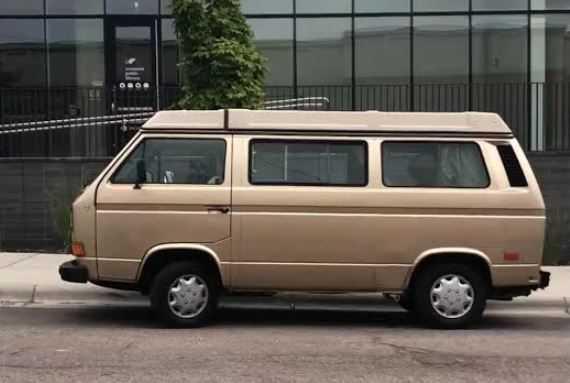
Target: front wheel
184, 295
450, 295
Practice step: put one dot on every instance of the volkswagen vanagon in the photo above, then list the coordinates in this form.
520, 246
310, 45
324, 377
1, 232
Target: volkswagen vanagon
441, 210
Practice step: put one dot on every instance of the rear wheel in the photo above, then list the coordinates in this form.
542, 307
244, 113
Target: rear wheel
184, 295
450, 295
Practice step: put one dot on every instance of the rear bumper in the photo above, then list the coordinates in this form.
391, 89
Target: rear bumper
73, 271
509, 292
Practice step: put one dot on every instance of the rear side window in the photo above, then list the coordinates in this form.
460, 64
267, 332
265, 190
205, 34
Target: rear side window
176, 161
433, 165
304, 162
512, 166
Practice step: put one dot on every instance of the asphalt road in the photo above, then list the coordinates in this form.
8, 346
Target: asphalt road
124, 344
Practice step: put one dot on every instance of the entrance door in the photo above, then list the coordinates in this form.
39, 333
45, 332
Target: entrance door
132, 64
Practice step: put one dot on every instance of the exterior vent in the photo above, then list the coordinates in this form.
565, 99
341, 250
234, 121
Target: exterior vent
512, 166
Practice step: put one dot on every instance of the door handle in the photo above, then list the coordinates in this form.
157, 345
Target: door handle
218, 209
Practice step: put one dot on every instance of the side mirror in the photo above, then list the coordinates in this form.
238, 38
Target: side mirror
141, 174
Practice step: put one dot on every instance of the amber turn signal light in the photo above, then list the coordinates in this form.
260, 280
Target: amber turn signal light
78, 249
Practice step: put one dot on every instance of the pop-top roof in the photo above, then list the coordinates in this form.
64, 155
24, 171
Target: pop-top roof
314, 121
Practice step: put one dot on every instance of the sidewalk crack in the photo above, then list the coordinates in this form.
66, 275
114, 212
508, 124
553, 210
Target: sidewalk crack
566, 305
18, 261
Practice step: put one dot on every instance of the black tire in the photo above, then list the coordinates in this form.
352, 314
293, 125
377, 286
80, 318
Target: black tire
422, 295
160, 291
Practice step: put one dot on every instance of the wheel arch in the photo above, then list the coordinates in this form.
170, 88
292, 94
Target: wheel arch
448, 255
161, 255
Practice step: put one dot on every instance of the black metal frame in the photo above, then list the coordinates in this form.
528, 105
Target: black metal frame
111, 23
434, 141
469, 12
128, 156
278, 139
411, 94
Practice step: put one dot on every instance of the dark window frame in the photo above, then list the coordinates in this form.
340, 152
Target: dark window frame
364, 144
143, 142
515, 173
483, 161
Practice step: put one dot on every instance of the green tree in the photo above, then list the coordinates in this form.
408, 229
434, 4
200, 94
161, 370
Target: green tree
220, 66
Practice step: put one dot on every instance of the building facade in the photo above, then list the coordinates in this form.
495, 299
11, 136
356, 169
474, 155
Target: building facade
69, 58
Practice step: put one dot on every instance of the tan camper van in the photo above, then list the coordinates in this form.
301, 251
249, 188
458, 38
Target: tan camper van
439, 209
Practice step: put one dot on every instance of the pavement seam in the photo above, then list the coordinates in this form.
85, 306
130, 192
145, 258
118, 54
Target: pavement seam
566, 305
18, 261
33, 297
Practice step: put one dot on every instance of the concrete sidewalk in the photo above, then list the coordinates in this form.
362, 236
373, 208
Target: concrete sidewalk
32, 280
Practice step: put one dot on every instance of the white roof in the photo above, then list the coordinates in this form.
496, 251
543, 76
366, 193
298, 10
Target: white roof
186, 119
314, 121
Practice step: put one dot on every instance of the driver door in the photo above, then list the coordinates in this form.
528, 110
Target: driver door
184, 198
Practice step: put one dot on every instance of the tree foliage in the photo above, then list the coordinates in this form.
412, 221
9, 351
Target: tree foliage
219, 64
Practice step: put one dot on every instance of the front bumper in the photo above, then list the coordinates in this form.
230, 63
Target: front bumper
73, 271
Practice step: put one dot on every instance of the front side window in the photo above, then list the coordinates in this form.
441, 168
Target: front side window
175, 161
278, 162
433, 164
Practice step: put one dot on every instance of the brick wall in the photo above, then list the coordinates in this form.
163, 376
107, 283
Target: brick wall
33, 193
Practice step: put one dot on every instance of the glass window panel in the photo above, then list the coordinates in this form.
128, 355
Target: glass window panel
22, 53
433, 164
324, 51
374, 37
362, 6
176, 161
274, 39
550, 4
441, 5
74, 7
550, 48
254, 7
324, 6
132, 7
441, 49
76, 52
169, 53
550, 71
324, 61
166, 7
21, 7
308, 163
502, 5
499, 48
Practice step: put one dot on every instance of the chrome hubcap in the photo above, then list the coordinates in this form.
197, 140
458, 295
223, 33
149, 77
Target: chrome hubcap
452, 296
188, 296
